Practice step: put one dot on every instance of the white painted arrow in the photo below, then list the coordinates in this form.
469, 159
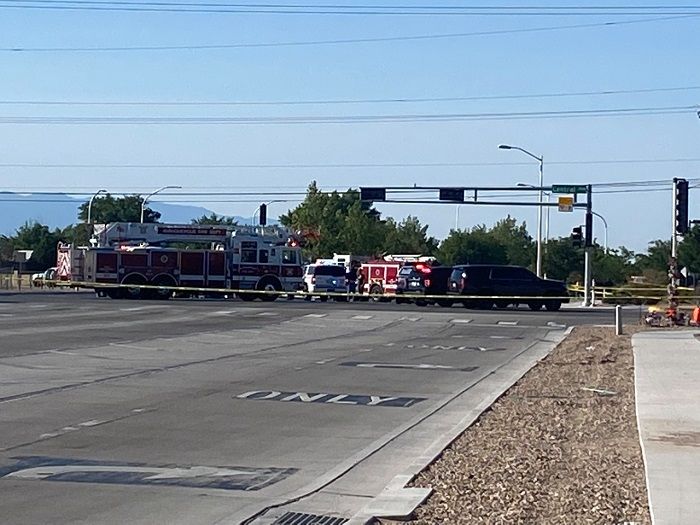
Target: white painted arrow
421, 366
156, 472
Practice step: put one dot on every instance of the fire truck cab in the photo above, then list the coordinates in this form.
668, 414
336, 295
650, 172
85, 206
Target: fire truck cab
194, 258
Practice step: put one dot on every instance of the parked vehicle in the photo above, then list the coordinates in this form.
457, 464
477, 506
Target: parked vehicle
328, 278
491, 281
190, 259
380, 276
420, 279
45, 278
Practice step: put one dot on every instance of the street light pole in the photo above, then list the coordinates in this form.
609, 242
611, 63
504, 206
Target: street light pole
144, 201
605, 223
89, 214
539, 208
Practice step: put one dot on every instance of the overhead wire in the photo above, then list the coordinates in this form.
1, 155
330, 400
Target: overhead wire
345, 9
348, 119
367, 165
313, 102
366, 40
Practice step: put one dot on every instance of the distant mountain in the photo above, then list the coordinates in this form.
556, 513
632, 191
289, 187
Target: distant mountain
58, 211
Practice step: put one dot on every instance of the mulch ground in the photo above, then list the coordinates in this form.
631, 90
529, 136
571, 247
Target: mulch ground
561, 446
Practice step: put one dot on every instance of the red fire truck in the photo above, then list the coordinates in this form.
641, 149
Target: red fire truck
187, 256
380, 276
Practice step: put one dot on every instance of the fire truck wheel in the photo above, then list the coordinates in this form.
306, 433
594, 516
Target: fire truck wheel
269, 284
162, 293
243, 296
376, 293
114, 293
136, 292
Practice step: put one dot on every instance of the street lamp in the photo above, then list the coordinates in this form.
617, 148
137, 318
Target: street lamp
546, 220
89, 215
605, 223
143, 203
255, 213
539, 208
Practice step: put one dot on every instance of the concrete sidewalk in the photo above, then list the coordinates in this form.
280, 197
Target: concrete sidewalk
667, 382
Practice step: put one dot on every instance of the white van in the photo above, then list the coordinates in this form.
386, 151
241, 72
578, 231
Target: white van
324, 278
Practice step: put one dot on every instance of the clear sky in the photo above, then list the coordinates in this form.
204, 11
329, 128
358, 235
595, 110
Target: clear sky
653, 55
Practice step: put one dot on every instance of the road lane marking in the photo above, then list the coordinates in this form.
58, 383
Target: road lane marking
335, 399
316, 316
362, 317
88, 471
140, 308
508, 323
267, 314
461, 321
420, 366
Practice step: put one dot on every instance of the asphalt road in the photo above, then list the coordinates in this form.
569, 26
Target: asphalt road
208, 412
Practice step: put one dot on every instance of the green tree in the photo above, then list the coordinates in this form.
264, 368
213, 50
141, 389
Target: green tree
562, 261
340, 221
40, 239
657, 257
519, 246
7, 246
612, 268
215, 219
472, 247
408, 237
117, 209
689, 250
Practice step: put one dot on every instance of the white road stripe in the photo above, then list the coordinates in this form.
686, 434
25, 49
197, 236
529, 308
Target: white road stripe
461, 321
316, 316
362, 317
267, 314
507, 323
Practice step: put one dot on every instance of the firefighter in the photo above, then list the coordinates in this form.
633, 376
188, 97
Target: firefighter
350, 279
359, 280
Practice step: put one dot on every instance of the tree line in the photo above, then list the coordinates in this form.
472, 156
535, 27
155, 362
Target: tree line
339, 222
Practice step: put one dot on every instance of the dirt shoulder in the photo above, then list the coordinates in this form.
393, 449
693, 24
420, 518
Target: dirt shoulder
561, 446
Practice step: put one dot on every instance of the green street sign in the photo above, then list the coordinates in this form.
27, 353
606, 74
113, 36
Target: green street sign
569, 188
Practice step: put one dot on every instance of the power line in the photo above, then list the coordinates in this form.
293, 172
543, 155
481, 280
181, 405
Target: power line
368, 40
320, 102
349, 119
19, 165
338, 9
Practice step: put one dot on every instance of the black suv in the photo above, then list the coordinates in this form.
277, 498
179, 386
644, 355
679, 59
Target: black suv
416, 281
507, 281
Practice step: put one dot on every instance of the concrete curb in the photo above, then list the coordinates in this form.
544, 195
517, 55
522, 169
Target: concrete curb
398, 501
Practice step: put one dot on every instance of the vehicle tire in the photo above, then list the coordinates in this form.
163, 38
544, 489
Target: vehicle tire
136, 292
501, 304
535, 306
375, 293
247, 296
269, 284
162, 294
421, 302
552, 305
445, 303
113, 293
324, 298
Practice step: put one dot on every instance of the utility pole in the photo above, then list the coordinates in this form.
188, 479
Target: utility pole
588, 245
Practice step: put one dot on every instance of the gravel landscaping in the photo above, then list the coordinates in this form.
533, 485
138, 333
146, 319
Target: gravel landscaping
561, 446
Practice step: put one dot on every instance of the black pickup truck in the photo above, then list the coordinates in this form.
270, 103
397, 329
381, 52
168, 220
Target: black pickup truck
492, 281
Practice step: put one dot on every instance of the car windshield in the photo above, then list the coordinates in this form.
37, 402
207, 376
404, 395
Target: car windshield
333, 271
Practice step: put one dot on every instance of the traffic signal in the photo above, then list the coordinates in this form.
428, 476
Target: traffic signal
681, 213
263, 214
373, 194
452, 194
588, 237
577, 237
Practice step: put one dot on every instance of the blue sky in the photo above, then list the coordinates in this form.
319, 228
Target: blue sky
649, 55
